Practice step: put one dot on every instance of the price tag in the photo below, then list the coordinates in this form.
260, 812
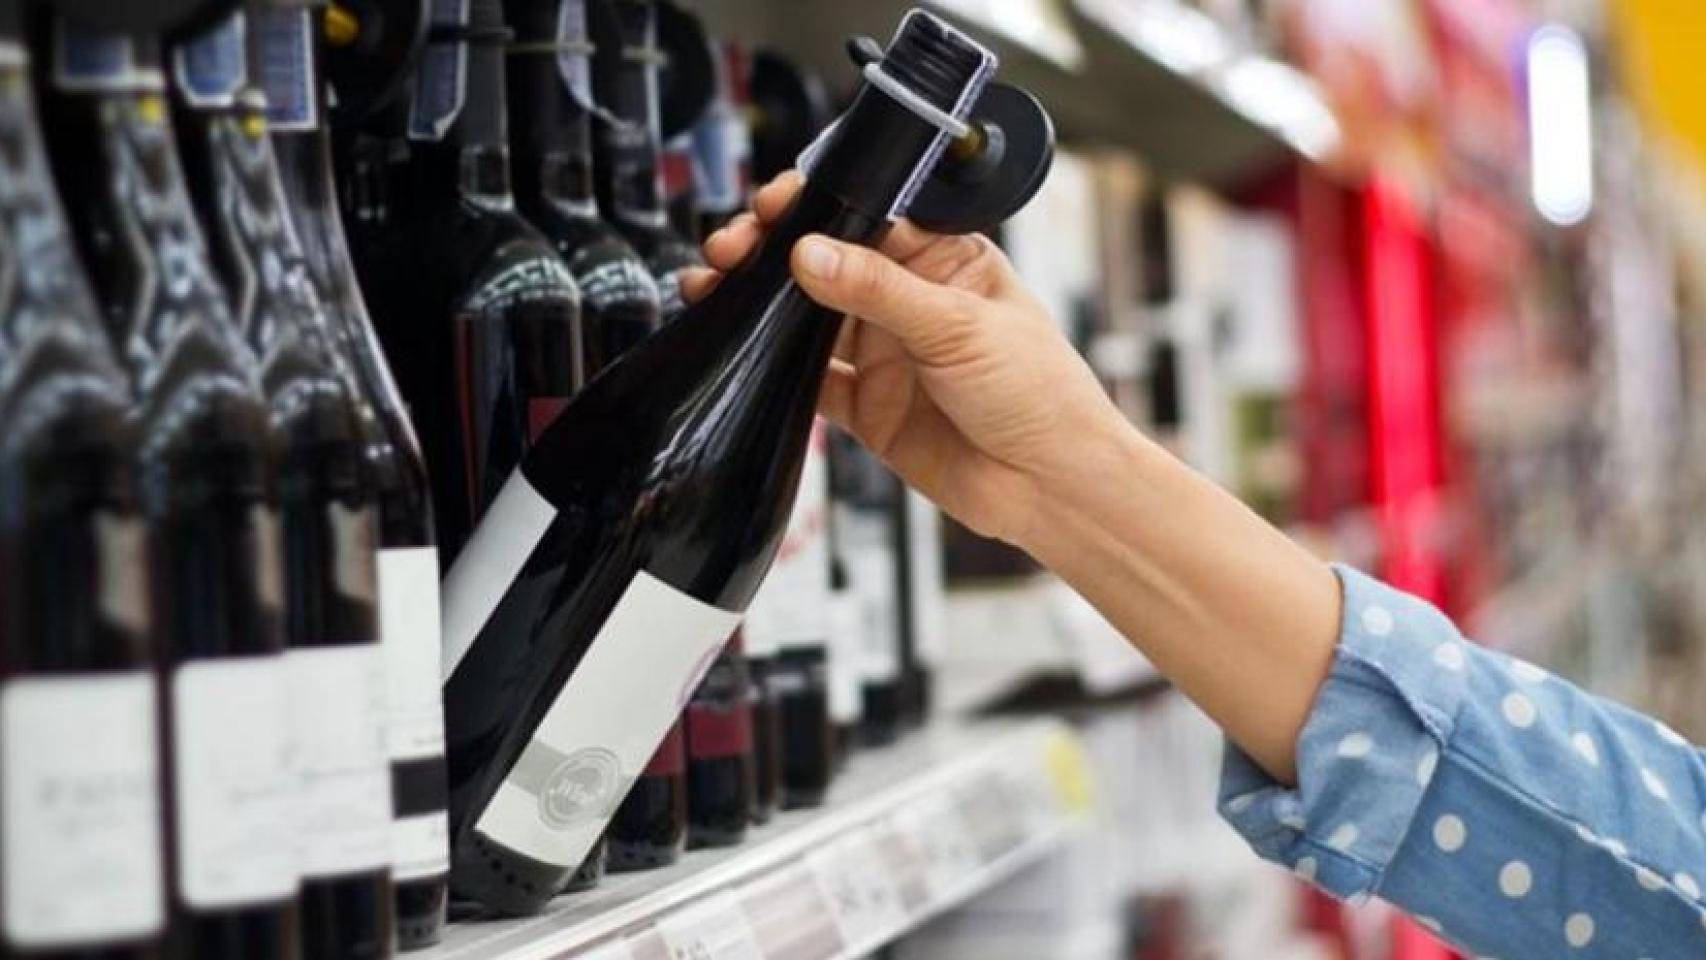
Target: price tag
903, 862
713, 929
1069, 772
934, 825
861, 894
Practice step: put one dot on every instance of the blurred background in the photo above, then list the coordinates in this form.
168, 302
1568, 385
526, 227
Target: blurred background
1422, 280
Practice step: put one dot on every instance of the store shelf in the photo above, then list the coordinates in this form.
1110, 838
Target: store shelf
1160, 79
909, 831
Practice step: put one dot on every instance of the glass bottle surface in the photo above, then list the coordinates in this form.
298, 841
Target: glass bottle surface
204, 466
289, 50
328, 522
630, 184
641, 522
82, 872
480, 316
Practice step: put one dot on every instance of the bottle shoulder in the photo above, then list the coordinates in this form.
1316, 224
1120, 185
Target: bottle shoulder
197, 394
60, 395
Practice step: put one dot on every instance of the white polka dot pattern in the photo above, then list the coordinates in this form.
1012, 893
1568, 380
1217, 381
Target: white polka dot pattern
1578, 930
1450, 833
1497, 803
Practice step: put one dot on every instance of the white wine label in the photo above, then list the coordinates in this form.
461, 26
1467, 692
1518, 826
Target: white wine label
410, 636
606, 722
791, 607
123, 578
846, 649
489, 563
337, 710
420, 846
231, 751
80, 839
871, 572
924, 570
715, 928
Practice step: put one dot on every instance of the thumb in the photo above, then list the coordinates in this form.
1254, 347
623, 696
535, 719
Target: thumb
930, 320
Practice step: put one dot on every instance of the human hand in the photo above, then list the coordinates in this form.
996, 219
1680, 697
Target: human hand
947, 369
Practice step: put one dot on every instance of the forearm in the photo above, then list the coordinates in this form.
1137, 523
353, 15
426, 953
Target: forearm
1243, 620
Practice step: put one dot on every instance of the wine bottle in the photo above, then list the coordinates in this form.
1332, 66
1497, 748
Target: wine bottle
617, 561
722, 187
864, 534
918, 550
720, 775
628, 143
846, 649
81, 853
791, 612
550, 109
551, 106
289, 51
649, 827
504, 350
326, 499
204, 462
766, 731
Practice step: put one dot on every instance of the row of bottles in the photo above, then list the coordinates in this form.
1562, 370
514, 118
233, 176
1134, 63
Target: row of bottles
219, 716
237, 718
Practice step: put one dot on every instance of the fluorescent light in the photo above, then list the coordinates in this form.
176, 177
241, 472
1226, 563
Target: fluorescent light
1560, 125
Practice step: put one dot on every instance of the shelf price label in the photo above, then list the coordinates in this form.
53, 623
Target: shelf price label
861, 893
903, 861
939, 834
1069, 772
713, 929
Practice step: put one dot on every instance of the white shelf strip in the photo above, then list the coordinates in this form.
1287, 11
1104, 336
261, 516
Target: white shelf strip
910, 831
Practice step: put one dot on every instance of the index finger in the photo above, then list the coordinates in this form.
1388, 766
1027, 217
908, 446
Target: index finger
772, 199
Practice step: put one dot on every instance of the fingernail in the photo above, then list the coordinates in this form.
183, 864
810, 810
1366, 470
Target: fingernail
819, 259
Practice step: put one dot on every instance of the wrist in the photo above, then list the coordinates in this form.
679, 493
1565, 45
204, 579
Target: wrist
1107, 460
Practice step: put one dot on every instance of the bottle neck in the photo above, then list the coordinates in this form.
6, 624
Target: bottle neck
458, 116
630, 183
550, 92
46, 286
287, 50
112, 147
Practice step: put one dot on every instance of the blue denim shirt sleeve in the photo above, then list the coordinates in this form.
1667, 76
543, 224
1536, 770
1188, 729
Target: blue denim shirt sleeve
1505, 809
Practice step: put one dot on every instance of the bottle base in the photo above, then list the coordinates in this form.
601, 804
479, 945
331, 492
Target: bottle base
420, 912
631, 858
719, 835
793, 799
502, 880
